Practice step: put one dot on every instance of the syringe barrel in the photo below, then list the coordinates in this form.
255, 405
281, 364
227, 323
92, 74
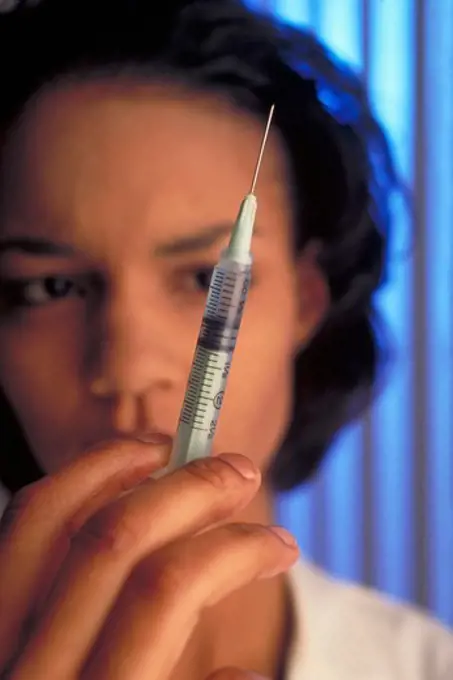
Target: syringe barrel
225, 305
212, 360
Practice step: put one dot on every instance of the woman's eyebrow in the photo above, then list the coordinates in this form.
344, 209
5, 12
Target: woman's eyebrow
32, 245
193, 242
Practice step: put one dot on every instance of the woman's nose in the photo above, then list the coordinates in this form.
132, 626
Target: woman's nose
134, 348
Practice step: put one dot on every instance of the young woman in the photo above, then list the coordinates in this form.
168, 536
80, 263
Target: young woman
129, 135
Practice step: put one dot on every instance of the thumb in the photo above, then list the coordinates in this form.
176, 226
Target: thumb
231, 673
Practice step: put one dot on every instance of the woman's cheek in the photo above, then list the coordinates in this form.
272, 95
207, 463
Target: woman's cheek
258, 400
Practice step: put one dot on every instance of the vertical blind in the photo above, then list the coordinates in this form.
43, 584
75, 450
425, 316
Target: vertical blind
381, 511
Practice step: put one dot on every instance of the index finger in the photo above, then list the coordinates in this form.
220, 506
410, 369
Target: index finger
112, 542
36, 529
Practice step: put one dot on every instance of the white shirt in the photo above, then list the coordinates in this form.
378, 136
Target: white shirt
347, 632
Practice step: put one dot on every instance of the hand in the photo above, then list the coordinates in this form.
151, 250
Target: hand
98, 583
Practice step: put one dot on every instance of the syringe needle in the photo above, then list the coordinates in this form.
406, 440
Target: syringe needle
241, 237
263, 144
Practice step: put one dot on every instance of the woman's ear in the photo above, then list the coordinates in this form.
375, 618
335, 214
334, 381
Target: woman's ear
313, 295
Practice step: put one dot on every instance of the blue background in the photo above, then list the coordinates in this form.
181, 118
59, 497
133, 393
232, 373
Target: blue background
381, 512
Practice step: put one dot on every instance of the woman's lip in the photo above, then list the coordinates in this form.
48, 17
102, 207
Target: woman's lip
150, 438
156, 438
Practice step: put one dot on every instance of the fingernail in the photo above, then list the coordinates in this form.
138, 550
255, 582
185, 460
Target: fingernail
285, 536
241, 464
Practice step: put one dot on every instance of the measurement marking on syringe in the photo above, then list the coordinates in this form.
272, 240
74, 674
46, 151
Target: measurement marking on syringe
204, 387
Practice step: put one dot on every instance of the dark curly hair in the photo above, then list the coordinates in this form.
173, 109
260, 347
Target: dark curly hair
342, 172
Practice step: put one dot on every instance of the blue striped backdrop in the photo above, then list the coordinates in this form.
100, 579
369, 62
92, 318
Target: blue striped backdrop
382, 511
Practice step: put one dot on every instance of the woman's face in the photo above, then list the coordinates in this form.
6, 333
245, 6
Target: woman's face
117, 201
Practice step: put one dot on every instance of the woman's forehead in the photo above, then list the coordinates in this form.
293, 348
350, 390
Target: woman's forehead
165, 121
100, 148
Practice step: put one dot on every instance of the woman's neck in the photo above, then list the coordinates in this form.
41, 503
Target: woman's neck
249, 629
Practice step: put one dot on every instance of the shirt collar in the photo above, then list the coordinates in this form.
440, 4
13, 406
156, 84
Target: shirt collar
323, 645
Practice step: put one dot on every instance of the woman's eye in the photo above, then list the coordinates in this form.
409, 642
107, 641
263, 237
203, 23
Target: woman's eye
39, 291
198, 279
203, 277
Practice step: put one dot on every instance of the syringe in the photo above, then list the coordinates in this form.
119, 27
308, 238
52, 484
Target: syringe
222, 317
